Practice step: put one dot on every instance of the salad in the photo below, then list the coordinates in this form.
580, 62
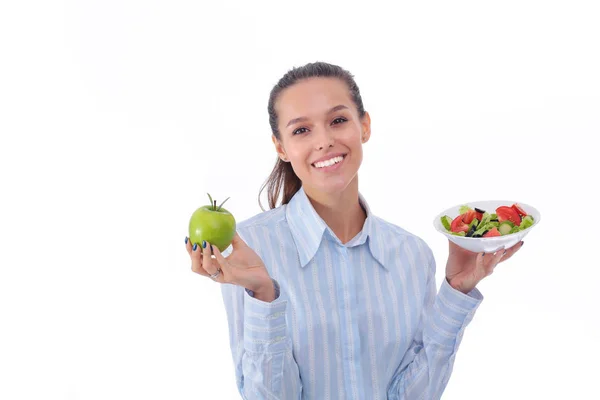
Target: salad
477, 223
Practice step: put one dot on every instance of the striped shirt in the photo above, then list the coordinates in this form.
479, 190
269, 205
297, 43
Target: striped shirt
360, 320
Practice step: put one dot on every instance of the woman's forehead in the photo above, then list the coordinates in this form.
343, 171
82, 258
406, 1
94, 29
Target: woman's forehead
313, 98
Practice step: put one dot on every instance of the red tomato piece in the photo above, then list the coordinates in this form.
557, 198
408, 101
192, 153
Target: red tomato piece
468, 216
492, 232
519, 210
458, 225
479, 216
508, 214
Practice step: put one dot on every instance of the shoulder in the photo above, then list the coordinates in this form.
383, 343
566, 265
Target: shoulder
267, 218
402, 236
269, 221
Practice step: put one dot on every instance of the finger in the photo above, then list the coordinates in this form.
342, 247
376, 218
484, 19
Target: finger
482, 263
188, 245
511, 251
492, 261
210, 265
223, 262
196, 256
237, 241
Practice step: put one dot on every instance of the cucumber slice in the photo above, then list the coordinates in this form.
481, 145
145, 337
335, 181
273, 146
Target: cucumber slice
505, 227
446, 221
458, 233
463, 209
494, 217
514, 229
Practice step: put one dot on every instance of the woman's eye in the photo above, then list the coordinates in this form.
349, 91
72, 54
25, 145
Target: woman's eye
340, 119
297, 131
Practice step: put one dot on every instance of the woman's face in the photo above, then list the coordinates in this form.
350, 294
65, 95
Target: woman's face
321, 133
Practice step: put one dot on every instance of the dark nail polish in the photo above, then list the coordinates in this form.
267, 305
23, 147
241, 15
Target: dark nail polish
195, 246
186, 240
504, 252
204, 244
211, 249
522, 243
483, 255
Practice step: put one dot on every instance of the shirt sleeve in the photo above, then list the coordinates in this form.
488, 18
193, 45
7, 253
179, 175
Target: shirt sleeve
426, 367
262, 351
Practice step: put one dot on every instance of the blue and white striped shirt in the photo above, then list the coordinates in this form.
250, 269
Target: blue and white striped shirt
361, 320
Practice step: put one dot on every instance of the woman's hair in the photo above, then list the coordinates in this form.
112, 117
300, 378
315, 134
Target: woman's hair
283, 178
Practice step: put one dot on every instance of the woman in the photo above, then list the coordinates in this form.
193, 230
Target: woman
324, 299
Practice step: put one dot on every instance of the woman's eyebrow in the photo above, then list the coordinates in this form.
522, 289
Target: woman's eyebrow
300, 119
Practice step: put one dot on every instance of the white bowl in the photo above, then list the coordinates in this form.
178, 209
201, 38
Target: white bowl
489, 244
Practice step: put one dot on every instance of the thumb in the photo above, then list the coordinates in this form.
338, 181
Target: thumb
237, 241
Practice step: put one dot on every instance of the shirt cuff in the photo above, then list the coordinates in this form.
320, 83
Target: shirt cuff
452, 312
265, 326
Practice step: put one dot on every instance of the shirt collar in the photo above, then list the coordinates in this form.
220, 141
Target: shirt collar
308, 229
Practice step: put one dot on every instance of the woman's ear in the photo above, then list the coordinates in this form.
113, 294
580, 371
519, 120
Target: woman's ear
279, 148
366, 127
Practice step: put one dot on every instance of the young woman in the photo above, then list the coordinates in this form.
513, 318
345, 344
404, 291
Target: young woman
324, 299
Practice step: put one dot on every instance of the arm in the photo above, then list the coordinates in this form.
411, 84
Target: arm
262, 352
427, 365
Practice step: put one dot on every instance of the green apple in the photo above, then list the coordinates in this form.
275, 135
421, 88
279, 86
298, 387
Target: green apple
214, 224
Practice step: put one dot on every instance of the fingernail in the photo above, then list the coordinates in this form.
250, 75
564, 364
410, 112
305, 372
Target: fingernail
504, 252
483, 255
204, 244
186, 240
522, 243
195, 246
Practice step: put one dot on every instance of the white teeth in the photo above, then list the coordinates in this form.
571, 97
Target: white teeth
327, 163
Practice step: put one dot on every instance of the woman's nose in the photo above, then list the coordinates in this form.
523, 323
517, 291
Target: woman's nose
324, 139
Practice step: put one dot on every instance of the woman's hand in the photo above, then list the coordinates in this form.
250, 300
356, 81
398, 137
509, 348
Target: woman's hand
243, 267
465, 268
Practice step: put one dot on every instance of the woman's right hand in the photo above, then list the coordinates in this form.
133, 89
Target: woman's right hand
243, 267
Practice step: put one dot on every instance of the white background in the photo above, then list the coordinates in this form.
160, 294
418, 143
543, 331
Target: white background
116, 118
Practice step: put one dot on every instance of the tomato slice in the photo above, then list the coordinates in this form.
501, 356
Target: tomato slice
519, 210
492, 232
508, 214
479, 216
470, 215
458, 225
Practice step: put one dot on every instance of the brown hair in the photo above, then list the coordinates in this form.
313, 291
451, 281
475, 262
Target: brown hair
282, 177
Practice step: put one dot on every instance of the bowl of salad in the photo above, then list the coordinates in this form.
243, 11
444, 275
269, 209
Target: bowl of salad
487, 226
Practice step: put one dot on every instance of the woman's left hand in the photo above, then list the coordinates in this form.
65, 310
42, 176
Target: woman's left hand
465, 269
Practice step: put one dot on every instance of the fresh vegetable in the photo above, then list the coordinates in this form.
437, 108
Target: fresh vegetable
478, 223
492, 233
519, 210
508, 214
458, 225
447, 222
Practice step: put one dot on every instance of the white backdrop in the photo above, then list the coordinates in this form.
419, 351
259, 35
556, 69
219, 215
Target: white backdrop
116, 118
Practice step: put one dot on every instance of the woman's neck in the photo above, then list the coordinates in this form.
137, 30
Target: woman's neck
342, 211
